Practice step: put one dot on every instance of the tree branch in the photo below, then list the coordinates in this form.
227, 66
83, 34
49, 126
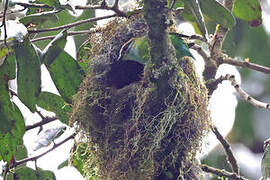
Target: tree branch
215, 48
17, 163
245, 64
67, 26
103, 5
222, 172
213, 84
172, 4
70, 33
44, 121
201, 52
6, 170
34, 5
220, 33
245, 95
228, 150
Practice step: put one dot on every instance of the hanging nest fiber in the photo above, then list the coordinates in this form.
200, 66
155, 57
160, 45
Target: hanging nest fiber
131, 131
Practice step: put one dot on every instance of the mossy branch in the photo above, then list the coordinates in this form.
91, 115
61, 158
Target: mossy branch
155, 14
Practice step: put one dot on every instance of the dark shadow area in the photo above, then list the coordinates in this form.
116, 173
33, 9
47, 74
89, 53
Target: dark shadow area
125, 72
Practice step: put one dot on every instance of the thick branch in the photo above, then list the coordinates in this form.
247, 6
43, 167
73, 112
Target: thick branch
155, 14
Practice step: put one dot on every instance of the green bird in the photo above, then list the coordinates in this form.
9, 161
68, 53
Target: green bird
265, 166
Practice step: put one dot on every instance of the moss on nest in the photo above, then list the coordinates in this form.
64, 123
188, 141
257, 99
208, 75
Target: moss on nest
132, 132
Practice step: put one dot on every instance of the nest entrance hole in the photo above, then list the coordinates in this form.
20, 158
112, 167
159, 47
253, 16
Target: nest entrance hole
124, 73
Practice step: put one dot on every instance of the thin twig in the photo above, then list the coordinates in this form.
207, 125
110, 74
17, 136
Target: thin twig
4, 22
70, 33
103, 5
67, 26
17, 163
33, 5
89, 7
222, 172
246, 96
245, 64
201, 52
228, 150
172, 4
12, 92
6, 171
191, 37
44, 121
116, 9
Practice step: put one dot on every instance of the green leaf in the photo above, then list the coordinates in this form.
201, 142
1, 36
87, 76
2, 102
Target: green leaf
63, 164
194, 7
11, 137
65, 71
177, 4
39, 18
217, 12
4, 52
45, 174
83, 55
248, 10
26, 173
56, 104
7, 72
67, 75
21, 152
29, 75
180, 46
64, 18
55, 47
10, 67
12, 123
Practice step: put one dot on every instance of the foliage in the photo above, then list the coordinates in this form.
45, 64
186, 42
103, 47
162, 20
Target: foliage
137, 124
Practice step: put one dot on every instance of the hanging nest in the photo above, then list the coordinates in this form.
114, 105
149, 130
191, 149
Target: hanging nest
131, 132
